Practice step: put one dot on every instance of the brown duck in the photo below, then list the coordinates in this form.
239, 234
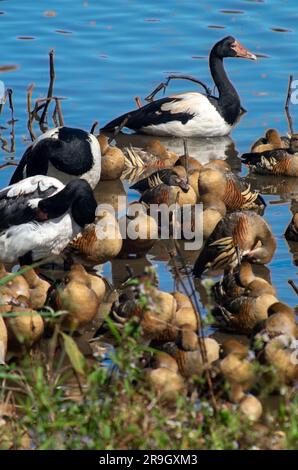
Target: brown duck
272, 140
241, 282
99, 242
165, 186
243, 313
165, 176
153, 155
280, 160
112, 159
291, 233
231, 189
237, 235
237, 368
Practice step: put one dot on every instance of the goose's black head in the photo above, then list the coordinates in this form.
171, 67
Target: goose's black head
77, 196
230, 47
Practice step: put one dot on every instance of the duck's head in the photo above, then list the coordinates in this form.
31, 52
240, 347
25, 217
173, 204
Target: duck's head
79, 274
273, 138
156, 148
177, 181
294, 143
230, 47
103, 142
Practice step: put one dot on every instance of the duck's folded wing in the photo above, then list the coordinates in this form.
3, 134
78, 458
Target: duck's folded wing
18, 202
153, 179
269, 160
161, 111
239, 195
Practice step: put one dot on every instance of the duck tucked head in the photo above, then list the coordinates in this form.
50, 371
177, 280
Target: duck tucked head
230, 47
77, 196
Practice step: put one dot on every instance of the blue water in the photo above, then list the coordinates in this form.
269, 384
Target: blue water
106, 53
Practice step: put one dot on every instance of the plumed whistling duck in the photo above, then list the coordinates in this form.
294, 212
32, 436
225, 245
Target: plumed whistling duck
212, 214
166, 176
145, 231
100, 241
243, 313
280, 324
237, 235
191, 113
39, 216
271, 141
176, 193
237, 368
64, 153
231, 189
76, 296
278, 162
291, 232
218, 164
241, 282
153, 155
277, 157
191, 363
112, 159
214, 211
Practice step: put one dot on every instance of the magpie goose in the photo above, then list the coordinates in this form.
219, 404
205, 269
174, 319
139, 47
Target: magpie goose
39, 216
193, 114
64, 153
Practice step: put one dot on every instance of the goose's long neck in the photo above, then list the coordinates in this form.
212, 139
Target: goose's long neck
229, 100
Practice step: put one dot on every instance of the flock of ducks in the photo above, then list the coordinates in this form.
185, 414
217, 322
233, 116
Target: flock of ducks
50, 209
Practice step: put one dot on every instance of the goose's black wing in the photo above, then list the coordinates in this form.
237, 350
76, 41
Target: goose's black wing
150, 114
16, 206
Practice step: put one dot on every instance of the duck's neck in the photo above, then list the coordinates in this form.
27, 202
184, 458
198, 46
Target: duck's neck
229, 101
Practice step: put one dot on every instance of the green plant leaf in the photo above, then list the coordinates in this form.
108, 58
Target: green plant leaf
113, 329
74, 354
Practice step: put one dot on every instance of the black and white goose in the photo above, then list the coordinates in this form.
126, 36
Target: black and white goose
39, 216
64, 153
193, 114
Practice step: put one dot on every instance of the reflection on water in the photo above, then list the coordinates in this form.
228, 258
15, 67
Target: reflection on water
285, 188
109, 52
203, 150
